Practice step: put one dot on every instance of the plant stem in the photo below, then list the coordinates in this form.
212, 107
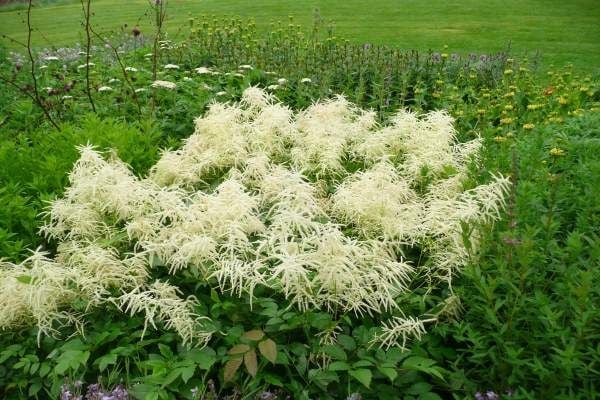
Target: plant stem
36, 92
86, 13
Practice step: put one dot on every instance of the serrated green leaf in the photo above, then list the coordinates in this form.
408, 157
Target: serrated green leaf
388, 372
419, 388
362, 364
105, 361
239, 349
204, 358
165, 350
338, 366
254, 335
347, 342
268, 349
362, 375
61, 367
34, 388
422, 364
44, 369
187, 373
251, 363
231, 367
335, 352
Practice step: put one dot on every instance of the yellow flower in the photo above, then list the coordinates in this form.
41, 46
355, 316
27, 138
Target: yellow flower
481, 111
486, 95
508, 72
506, 121
509, 94
528, 126
563, 101
508, 107
552, 177
510, 134
444, 55
500, 139
557, 152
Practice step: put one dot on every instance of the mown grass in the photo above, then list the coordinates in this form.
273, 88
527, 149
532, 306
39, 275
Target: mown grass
562, 32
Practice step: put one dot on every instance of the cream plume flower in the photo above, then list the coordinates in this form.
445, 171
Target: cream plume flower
319, 205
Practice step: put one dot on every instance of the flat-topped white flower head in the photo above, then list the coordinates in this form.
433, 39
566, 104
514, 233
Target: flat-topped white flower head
164, 85
203, 70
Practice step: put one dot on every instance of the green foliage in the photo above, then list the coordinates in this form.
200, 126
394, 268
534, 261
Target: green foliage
530, 319
35, 167
562, 31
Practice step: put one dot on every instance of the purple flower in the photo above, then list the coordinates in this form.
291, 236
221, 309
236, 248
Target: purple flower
266, 395
119, 393
490, 395
93, 392
479, 396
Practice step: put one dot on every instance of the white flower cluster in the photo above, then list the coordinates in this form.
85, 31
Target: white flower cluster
320, 206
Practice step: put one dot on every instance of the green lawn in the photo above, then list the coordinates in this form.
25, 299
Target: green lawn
563, 31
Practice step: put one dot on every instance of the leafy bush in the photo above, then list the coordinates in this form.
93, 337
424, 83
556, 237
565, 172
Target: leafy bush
531, 321
35, 165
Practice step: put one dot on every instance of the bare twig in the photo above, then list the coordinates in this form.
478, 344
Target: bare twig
36, 93
24, 45
86, 13
123, 70
158, 7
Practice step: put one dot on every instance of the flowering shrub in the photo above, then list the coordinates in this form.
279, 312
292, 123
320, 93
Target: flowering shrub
321, 206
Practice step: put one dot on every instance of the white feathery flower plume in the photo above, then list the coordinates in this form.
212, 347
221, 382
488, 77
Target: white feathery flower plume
319, 205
